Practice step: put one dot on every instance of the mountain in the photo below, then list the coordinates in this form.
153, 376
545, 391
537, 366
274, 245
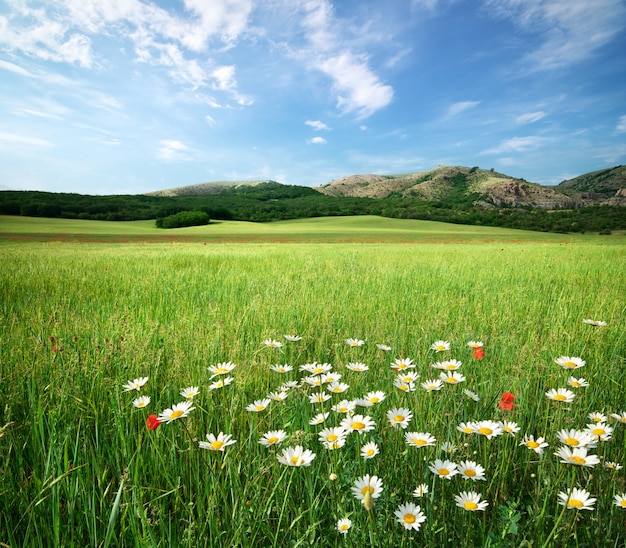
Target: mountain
205, 189
458, 185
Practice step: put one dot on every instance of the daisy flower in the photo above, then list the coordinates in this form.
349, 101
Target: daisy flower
475, 344
369, 450
358, 423
620, 500
354, 342
600, 431
319, 418
135, 384
432, 384
448, 447
440, 346
285, 368
420, 439
575, 438
273, 437
292, 338
366, 488
177, 411
289, 385
577, 456
375, 397
443, 468
141, 402
271, 343
577, 383
402, 364
470, 501
221, 368
408, 376
537, 445
467, 427
332, 435
612, 465
449, 365
319, 398
399, 417
570, 362
577, 499
471, 395
510, 427
343, 525
337, 387
489, 429
470, 470
312, 380
420, 490
258, 405
561, 395
596, 416
190, 392
410, 516
452, 377
296, 456
218, 443
221, 383
595, 323
404, 386
619, 417
278, 396
321, 368
383, 347
357, 366
329, 378
344, 406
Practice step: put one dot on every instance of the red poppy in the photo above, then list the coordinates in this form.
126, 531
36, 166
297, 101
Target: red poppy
478, 353
506, 402
152, 422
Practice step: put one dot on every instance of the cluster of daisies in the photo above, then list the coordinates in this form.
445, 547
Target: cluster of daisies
351, 417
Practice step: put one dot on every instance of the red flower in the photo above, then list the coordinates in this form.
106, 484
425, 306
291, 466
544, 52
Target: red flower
506, 402
478, 353
152, 422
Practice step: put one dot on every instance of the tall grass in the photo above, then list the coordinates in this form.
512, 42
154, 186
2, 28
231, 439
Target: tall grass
79, 466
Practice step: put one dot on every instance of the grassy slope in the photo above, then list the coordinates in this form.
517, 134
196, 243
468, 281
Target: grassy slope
357, 228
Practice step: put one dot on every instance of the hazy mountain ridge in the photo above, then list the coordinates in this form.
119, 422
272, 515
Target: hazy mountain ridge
205, 189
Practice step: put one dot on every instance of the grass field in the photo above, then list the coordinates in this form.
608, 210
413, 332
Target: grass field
79, 319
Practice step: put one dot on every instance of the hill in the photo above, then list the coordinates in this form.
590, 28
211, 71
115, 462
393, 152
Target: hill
205, 189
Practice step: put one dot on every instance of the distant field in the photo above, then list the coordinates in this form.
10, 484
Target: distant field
325, 229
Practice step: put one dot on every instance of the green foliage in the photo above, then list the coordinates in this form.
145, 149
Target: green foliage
183, 218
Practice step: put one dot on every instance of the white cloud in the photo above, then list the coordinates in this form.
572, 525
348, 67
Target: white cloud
569, 30
36, 113
462, 106
14, 68
621, 124
317, 141
530, 117
173, 150
317, 125
16, 139
517, 144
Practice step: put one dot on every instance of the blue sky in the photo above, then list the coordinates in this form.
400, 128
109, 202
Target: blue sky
130, 96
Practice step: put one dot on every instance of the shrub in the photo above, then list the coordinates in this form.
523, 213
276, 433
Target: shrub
183, 218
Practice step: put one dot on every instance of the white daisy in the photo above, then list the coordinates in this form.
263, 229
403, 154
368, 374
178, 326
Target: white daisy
410, 516
576, 499
135, 384
177, 411
296, 456
141, 402
470, 501
369, 450
570, 362
218, 443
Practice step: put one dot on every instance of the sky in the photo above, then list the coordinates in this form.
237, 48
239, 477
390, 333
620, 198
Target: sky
133, 96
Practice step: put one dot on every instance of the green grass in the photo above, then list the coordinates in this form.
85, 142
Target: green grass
79, 319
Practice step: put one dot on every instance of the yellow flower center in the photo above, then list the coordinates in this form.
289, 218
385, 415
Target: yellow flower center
450, 367
441, 347
337, 389
176, 414
467, 430
451, 380
217, 444
470, 505
598, 431
419, 441
375, 399
443, 472
574, 503
575, 383
333, 437
409, 518
141, 404
532, 444
573, 442
295, 460
358, 425
398, 418
272, 440
577, 460
344, 527
367, 489
404, 387
370, 452
570, 365
622, 503
260, 407
560, 397
470, 473
485, 431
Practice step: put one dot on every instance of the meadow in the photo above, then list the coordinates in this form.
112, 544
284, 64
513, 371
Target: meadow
90, 324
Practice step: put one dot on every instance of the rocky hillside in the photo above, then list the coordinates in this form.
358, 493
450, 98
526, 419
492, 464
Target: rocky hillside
479, 187
204, 189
